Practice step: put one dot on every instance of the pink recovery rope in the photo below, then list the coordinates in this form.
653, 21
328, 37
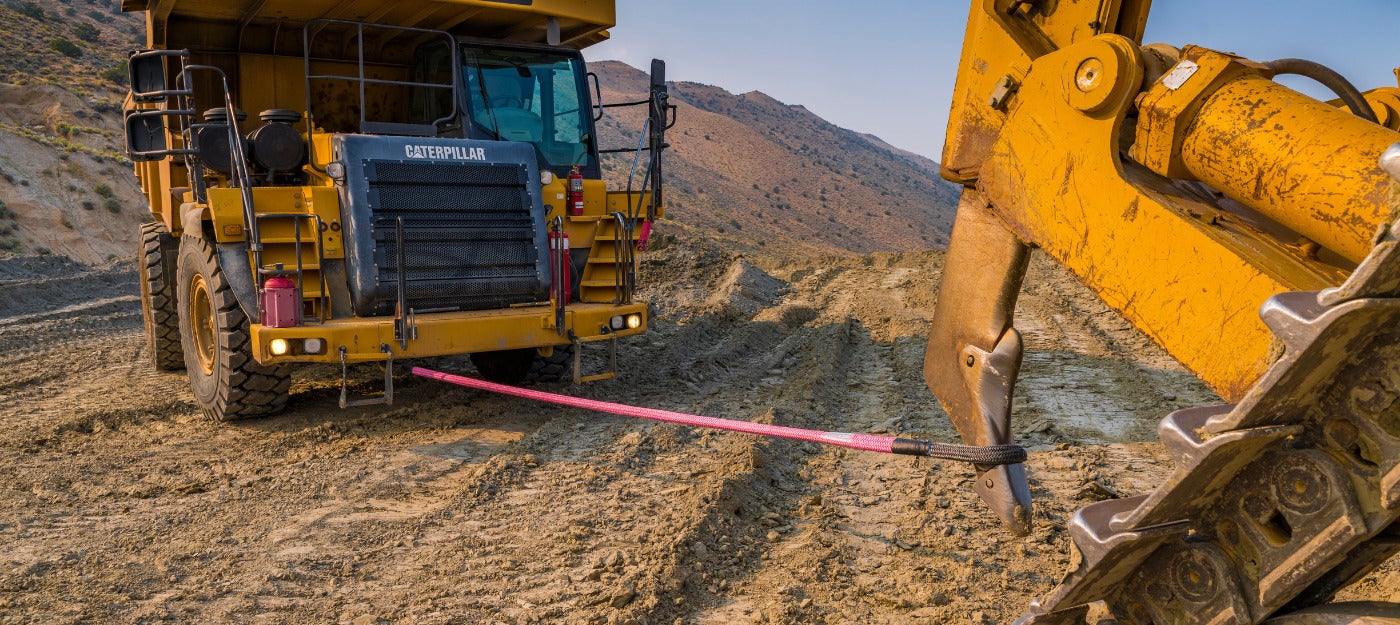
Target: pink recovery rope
989, 455
863, 442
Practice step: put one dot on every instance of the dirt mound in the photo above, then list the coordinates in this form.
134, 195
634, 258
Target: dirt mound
49, 286
744, 290
122, 503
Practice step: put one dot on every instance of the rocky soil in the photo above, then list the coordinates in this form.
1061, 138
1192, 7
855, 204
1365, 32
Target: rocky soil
120, 503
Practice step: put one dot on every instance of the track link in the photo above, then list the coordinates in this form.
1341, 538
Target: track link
1277, 502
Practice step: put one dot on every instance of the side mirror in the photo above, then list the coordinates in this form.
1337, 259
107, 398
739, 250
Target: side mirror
148, 76
598, 107
145, 136
658, 74
660, 101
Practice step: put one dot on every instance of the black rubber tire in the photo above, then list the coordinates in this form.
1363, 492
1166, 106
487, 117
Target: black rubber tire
558, 366
504, 367
525, 366
155, 269
229, 385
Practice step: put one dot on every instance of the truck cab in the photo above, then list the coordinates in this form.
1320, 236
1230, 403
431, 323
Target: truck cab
346, 182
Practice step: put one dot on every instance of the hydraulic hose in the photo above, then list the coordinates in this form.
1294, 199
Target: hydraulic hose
1350, 95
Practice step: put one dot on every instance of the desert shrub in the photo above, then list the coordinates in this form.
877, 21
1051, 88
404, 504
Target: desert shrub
86, 32
113, 205
5, 212
89, 205
31, 9
117, 74
10, 244
66, 224
47, 172
42, 251
66, 48
103, 189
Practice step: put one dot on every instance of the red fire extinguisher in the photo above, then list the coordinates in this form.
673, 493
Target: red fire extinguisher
559, 253
281, 302
575, 192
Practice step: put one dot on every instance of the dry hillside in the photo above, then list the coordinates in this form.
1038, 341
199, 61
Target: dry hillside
65, 187
767, 176
764, 176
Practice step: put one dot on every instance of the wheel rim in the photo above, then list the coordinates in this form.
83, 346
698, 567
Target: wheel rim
202, 322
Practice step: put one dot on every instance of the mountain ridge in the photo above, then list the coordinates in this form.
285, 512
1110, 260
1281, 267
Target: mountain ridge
756, 174
763, 175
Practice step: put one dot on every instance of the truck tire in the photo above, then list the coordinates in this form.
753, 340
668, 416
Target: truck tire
524, 366
553, 368
155, 262
228, 384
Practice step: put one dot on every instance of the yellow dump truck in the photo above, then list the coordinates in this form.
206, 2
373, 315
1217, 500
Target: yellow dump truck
344, 181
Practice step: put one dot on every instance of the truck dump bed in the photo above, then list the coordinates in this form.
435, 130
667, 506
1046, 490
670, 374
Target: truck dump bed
580, 22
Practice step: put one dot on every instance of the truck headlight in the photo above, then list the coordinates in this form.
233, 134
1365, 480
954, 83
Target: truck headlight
279, 347
313, 346
634, 322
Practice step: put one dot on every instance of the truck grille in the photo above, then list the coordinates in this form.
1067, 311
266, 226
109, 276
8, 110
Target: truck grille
469, 235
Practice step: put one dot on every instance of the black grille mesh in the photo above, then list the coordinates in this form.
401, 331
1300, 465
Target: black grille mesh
469, 236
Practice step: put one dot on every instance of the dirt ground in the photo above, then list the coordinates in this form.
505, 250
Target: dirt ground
120, 503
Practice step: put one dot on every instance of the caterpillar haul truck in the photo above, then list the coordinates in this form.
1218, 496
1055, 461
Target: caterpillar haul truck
1248, 229
349, 181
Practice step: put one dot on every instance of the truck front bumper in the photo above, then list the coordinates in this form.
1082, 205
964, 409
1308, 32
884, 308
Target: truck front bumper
366, 339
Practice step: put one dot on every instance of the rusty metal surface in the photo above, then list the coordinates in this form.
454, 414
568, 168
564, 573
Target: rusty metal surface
1002, 38
1358, 613
1276, 502
1186, 272
974, 354
1293, 492
1307, 165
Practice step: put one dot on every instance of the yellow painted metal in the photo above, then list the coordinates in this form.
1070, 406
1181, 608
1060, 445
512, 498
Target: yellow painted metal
258, 43
443, 334
201, 314
581, 22
226, 209
618, 201
1190, 275
1002, 38
1307, 165
1385, 102
1041, 101
1164, 112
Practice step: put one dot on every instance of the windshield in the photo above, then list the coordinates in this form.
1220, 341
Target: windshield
532, 96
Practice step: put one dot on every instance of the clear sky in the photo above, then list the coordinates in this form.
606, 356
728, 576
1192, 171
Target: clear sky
887, 67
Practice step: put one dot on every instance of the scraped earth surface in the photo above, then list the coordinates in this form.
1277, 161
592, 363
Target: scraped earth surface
119, 502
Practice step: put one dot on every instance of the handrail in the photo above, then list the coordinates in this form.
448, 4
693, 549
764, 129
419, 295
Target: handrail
323, 302
240, 174
318, 25
559, 266
624, 259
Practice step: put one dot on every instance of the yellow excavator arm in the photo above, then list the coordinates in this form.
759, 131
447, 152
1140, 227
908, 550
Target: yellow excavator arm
1246, 228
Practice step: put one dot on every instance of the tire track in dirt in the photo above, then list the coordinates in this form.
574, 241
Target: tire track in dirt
119, 502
